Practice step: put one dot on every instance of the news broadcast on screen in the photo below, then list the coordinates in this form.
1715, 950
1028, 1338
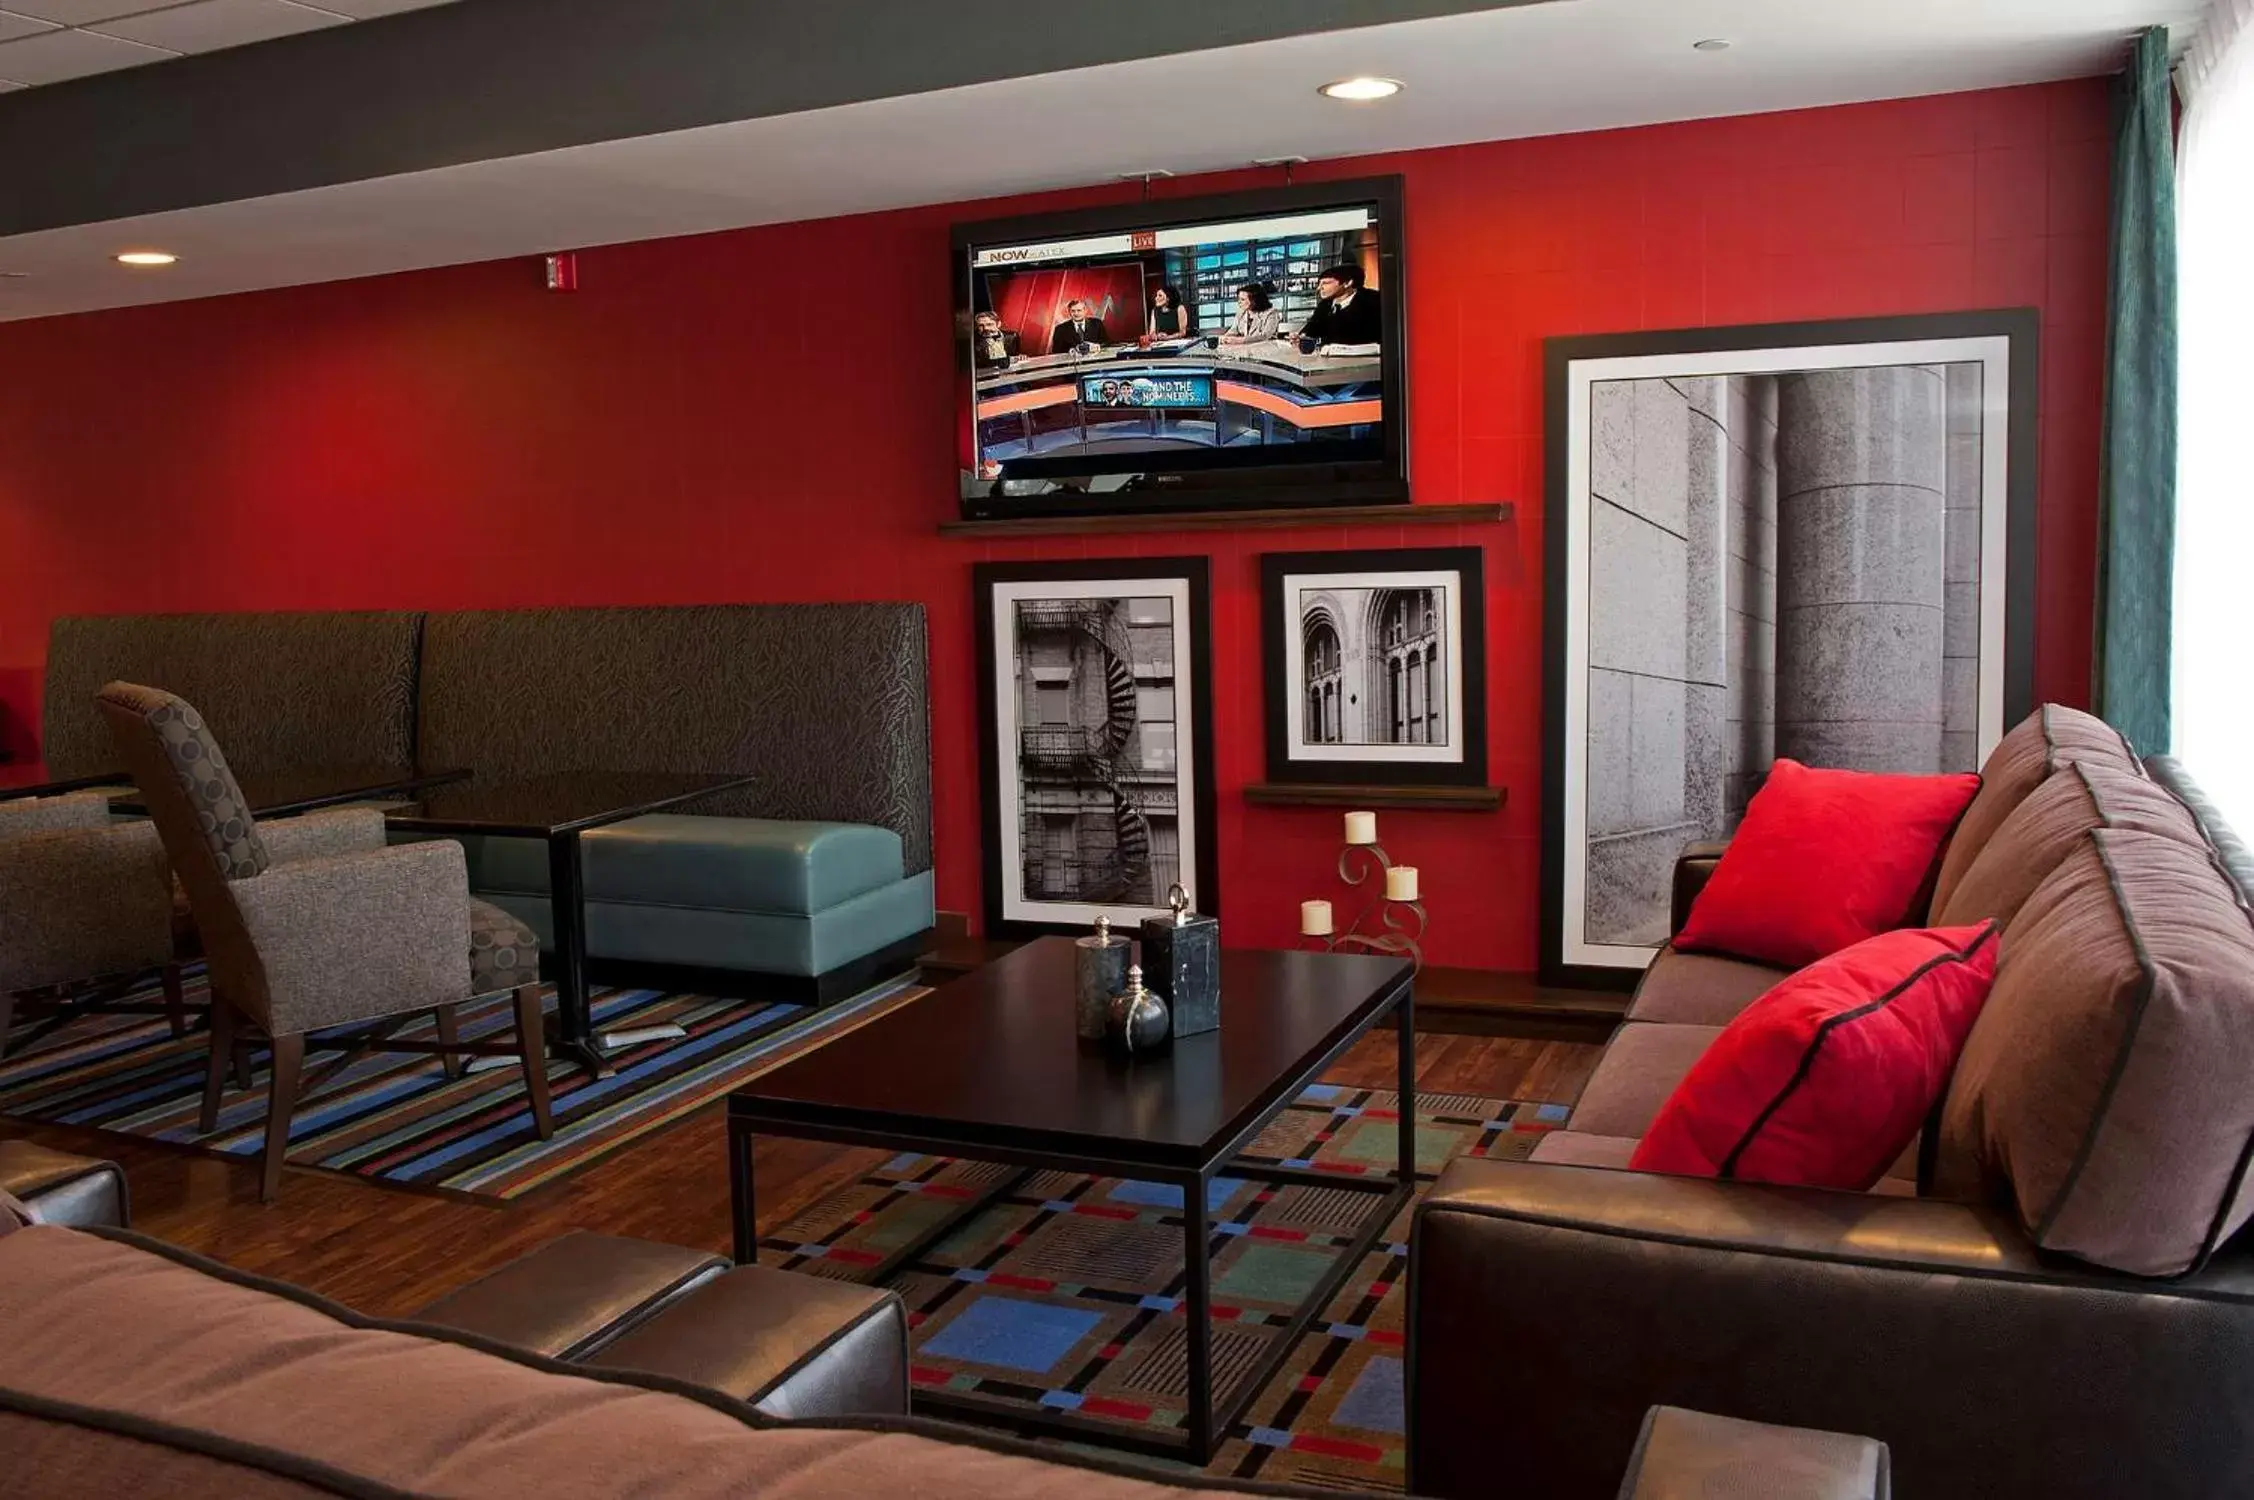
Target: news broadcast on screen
1128, 359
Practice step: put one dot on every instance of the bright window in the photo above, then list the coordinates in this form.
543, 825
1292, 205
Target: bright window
2214, 624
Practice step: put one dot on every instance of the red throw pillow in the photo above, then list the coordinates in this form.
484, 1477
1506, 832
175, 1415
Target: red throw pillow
1825, 1080
1824, 859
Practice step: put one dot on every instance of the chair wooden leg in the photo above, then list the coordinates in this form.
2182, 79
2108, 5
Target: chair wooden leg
532, 1046
281, 1099
450, 1035
7, 1018
215, 1073
175, 1000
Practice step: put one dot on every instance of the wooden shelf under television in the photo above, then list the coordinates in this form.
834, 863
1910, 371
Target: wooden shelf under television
1302, 518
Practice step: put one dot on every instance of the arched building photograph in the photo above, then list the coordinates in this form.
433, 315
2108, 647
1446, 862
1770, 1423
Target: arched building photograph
1374, 665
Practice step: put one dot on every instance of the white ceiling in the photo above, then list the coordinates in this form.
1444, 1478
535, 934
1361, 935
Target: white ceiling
47, 41
1537, 70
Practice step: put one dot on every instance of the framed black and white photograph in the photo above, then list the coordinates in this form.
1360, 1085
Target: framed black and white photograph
1812, 541
1096, 740
1375, 665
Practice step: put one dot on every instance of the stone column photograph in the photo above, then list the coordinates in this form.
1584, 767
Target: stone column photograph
1779, 564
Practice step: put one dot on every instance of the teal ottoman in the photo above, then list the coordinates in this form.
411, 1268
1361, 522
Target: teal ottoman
826, 907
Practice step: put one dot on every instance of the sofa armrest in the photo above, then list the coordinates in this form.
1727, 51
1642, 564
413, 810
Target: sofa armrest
1690, 1455
792, 1345
1693, 868
574, 1294
1577, 1298
360, 937
57, 1187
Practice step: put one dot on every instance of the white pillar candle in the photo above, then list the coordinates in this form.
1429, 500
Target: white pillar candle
1314, 918
1401, 883
1361, 828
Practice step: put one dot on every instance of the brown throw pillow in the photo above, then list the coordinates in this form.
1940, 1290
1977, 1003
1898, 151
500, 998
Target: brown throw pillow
2103, 1090
2046, 739
2049, 825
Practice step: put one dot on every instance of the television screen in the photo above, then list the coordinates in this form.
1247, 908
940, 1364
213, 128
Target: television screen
1243, 350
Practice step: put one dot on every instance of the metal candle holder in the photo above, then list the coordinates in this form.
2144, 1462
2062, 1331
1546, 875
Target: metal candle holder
1399, 925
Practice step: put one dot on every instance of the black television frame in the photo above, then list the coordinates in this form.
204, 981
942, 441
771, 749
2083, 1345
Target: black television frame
1379, 481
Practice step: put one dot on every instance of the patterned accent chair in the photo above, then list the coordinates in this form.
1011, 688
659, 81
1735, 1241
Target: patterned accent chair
85, 914
369, 936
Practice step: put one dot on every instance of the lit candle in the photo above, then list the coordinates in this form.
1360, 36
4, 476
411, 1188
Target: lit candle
1314, 918
1361, 828
1401, 883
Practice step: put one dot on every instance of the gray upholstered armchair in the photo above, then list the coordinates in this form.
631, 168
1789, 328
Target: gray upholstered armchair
85, 914
368, 936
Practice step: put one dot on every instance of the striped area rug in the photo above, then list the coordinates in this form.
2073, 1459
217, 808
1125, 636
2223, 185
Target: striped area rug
396, 1118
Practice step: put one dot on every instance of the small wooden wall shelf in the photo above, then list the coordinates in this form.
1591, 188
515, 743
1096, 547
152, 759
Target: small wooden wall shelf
1299, 518
1413, 798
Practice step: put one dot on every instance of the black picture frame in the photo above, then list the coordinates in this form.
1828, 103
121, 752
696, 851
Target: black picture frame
1001, 847
2019, 327
1281, 625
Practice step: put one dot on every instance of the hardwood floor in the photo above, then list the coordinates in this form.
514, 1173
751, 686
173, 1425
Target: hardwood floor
388, 1252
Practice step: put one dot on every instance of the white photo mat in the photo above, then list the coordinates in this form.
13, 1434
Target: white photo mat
1450, 751
1005, 598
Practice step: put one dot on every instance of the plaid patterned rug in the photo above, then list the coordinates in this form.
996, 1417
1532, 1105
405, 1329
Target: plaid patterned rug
1065, 1292
397, 1118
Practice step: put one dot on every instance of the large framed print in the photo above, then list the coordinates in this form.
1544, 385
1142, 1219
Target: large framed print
1375, 665
1095, 740
1810, 540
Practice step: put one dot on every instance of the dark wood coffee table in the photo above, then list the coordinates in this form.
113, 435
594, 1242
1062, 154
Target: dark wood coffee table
988, 1067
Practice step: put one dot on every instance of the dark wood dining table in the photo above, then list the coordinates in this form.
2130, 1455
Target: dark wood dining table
557, 807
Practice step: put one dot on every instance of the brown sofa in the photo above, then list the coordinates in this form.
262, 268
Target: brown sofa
594, 1367
2045, 1297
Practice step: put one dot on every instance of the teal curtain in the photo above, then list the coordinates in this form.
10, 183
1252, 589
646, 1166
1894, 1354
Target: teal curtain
2137, 504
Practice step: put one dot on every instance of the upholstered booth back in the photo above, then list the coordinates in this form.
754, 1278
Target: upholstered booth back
281, 691
827, 704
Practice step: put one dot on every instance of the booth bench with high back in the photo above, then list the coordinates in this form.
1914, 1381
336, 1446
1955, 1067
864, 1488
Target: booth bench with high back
817, 875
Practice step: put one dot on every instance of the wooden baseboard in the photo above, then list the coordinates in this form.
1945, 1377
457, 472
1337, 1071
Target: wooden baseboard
1469, 1002
1490, 1002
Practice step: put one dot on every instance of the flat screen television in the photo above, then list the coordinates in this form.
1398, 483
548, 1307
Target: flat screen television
1243, 350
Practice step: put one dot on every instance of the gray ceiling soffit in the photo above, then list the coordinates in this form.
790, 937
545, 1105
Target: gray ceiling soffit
484, 79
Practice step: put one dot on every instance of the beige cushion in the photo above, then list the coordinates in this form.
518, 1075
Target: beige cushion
1703, 989
2105, 1088
1578, 1148
1639, 1070
135, 1336
2047, 826
2046, 739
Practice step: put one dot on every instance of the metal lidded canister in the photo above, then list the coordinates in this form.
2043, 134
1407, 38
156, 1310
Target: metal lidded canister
1101, 960
1182, 961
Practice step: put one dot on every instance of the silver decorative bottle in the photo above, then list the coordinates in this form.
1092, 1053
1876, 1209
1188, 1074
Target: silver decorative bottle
1137, 1020
1102, 963
1183, 954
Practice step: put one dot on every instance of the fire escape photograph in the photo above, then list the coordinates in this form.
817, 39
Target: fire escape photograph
1091, 723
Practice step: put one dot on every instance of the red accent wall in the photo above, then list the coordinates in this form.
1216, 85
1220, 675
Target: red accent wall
674, 433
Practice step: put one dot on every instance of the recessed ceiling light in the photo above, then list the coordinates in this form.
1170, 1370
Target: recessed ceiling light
1712, 44
1361, 90
146, 258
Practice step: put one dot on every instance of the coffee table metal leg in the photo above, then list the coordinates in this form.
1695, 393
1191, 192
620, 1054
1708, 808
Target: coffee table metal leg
742, 1205
1405, 1018
567, 916
1197, 1244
